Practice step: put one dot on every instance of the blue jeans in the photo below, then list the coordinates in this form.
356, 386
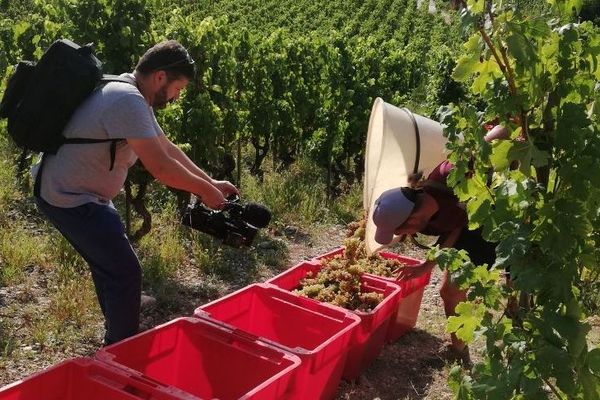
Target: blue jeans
97, 233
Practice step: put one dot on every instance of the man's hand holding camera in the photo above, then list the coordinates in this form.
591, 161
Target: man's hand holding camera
227, 218
226, 187
215, 195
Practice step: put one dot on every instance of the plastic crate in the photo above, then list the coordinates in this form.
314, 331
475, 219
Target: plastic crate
411, 294
369, 337
405, 316
318, 333
85, 378
206, 360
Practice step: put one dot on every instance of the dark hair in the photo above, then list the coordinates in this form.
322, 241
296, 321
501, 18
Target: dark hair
168, 56
410, 193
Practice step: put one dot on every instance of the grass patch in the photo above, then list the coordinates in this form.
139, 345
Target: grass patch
66, 314
238, 266
73, 307
63, 255
298, 196
19, 249
295, 196
14, 189
349, 206
9, 192
161, 252
8, 343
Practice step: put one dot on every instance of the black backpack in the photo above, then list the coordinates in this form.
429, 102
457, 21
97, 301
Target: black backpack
40, 98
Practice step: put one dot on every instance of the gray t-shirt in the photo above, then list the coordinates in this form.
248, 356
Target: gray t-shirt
79, 173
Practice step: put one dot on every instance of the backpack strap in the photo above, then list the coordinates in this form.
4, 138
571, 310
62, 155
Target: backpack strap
113, 146
106, 78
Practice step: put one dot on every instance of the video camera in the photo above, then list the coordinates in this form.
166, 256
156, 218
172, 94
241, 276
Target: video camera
236, 224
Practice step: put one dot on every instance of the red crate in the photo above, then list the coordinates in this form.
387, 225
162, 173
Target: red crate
318, 333
85, 378
369, 337
404, 318
206, 360
411, 294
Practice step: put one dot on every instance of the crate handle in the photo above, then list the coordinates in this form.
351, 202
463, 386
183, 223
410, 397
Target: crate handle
284, 301
140, 387
245, 335
259, 348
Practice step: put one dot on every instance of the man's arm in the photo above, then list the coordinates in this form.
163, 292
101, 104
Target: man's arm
169, 170
176, 153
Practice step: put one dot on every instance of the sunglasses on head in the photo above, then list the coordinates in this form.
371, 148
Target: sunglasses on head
185, 62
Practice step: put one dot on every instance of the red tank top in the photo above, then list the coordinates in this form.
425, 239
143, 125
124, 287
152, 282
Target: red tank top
451, 214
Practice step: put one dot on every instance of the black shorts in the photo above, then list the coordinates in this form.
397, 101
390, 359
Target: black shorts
480, 251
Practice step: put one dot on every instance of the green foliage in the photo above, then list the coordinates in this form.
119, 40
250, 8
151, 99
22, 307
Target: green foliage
538, 76
71, 309
8, 185
347, 207
288, 79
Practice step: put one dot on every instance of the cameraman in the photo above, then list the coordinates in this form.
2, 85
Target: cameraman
75, 187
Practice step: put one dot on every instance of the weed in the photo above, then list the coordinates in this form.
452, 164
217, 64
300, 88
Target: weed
18, 249
9, 192
348, 207
161, 252
273, 252
294, 196
8, 342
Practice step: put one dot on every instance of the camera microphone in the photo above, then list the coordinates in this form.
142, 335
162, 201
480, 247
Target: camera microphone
256, 214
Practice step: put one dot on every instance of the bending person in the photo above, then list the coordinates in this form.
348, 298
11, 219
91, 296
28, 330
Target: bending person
433, 209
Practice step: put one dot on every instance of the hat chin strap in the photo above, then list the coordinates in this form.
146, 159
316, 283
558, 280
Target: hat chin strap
413, 240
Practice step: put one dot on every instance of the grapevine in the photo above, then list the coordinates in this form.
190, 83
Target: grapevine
539, 76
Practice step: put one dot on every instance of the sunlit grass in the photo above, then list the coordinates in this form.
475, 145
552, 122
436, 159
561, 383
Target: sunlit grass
8, 343
69, 311
298, 196
9, 192
18, 250
73, 306
162, 251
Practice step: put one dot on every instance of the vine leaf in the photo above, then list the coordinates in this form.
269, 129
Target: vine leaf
476, 6
504, 152
466, 322
467, 63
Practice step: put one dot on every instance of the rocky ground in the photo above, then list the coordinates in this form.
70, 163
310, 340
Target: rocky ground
414, 367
